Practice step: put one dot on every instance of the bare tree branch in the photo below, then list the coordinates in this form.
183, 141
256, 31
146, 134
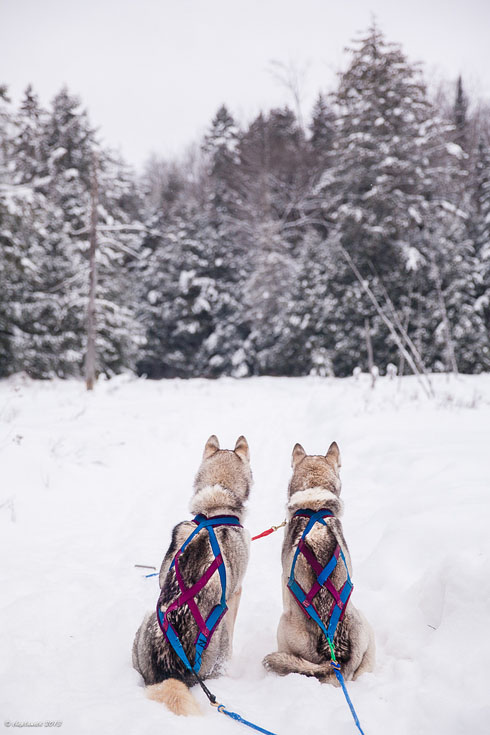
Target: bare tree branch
428, 390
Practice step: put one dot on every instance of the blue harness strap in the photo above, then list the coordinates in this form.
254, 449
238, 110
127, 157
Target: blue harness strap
341, 598
208, 626
187, 596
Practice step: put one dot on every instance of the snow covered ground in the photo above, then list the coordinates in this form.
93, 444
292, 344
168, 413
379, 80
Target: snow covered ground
92, 484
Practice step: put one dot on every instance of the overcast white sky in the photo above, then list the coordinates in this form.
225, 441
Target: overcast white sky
153, 72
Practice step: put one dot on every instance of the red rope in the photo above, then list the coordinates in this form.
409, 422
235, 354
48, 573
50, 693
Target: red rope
269, 530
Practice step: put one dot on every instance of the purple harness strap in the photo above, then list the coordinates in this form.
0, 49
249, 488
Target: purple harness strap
187, 595
340, 597
317, 585
317, 568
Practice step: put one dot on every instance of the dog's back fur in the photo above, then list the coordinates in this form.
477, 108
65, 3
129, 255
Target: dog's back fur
221, 487
302, 646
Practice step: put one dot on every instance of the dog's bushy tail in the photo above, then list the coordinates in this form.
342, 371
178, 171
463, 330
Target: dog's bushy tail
287, 663
175, 695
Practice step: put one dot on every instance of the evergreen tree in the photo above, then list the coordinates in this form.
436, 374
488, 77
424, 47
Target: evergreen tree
460, 110
480, 235
29, 149
274, 180
247, 262
163, 183
53, 158
193, 270
323, 131
10, 257
120, 232
456, 329
375, 196
189, 306
225, 220
221, 147
35, 315
310, 335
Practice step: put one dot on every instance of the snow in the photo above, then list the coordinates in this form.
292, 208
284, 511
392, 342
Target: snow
455, 150
58, 153
92, 484
415, 215
413, 257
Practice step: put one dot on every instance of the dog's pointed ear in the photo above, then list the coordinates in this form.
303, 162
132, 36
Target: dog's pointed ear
298, 454
241, 448
212, 446
333, 455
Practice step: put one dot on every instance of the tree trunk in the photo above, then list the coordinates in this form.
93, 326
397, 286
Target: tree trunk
427, 388
369, 347
403, 329
445, 319
90, 357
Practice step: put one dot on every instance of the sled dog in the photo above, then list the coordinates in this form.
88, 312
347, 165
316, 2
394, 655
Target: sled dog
302, 645
221, 488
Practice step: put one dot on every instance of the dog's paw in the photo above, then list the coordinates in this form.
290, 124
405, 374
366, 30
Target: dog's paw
267, 661
277, 662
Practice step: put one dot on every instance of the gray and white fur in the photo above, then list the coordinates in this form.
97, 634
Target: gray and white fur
302, 646
221, 487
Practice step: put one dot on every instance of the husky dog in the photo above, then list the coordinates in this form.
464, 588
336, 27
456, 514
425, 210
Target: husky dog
221, 488
302, 646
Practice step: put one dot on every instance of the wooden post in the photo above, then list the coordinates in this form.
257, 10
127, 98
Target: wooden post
445, 319
369, 347
90, 357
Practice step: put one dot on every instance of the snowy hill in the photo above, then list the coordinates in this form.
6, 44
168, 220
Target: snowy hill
92, 485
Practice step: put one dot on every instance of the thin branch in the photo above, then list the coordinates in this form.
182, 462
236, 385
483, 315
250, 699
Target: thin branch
110, 228
416, 354
408, 357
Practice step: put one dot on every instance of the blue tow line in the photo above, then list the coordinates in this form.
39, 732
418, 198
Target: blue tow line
238, 718
208, 524
340, 679
221, 708
314, 518
305, 601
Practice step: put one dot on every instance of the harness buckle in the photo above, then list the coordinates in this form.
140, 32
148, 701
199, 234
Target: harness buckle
276, 528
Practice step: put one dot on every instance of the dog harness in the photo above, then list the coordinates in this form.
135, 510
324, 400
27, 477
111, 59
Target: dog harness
323, 573
340, 597
187, 595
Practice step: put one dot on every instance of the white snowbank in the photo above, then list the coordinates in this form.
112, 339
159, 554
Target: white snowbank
92, 484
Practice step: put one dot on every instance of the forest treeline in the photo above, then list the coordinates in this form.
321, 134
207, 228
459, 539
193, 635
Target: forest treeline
274, 248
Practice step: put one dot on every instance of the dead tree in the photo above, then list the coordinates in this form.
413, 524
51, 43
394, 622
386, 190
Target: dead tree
445, 319
403, 329
91, 357
292, 78
408, 357
369, 348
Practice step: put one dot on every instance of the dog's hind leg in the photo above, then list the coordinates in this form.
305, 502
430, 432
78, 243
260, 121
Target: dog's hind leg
230, 617
368, 659
288, 663
140, 647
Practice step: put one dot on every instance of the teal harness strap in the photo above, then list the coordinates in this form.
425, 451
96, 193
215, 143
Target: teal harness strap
187, 595
208, 626
341, 598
